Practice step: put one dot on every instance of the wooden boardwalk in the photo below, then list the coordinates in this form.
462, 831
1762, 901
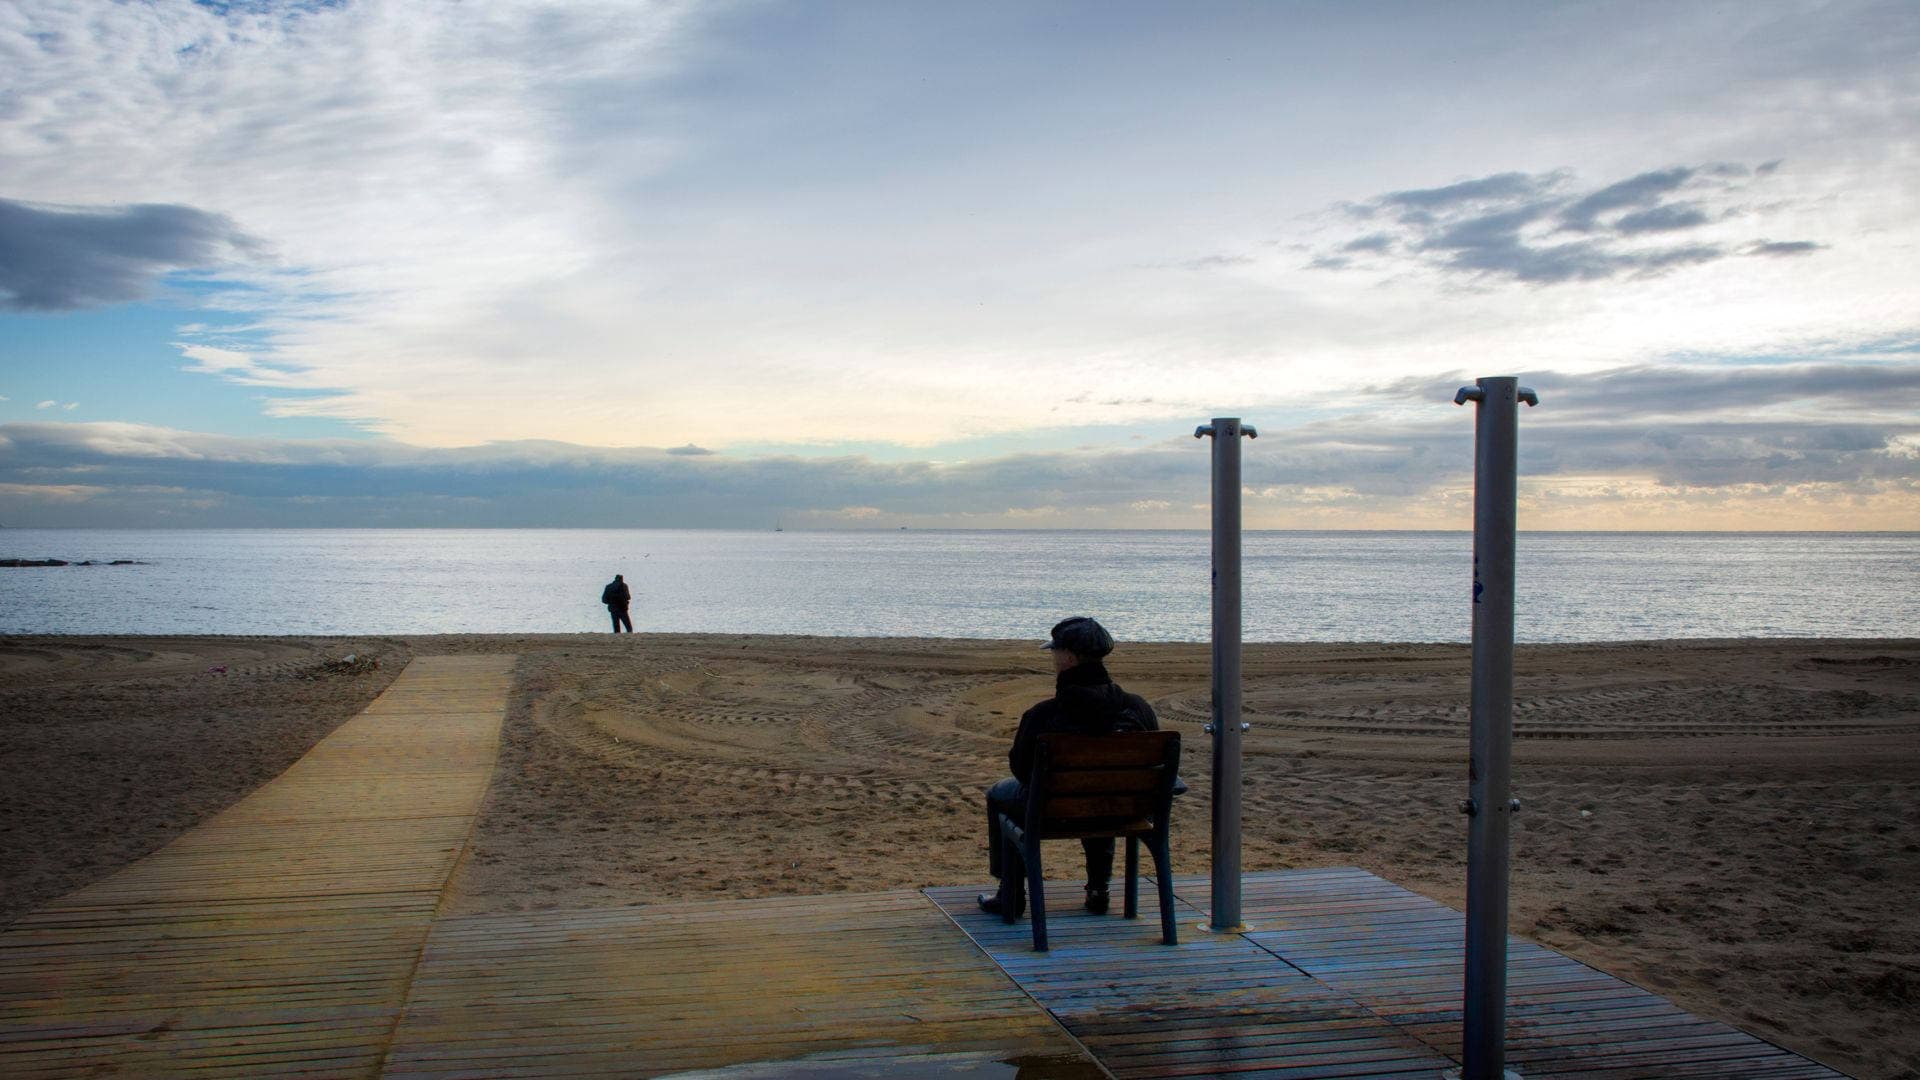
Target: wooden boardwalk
281, 935
1345, 975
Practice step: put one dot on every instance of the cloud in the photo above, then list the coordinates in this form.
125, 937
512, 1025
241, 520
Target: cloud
1636, 429
59, 258
1644, 191
1541, 229
1202, 263
446, 192
1669, 218
598, 220
1810, 393
1501, 188
1783, 247
689, 450
45, 404
51, 493
1217, 262
210, 360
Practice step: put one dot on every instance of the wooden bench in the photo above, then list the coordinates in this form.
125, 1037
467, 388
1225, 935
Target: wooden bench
1089, 786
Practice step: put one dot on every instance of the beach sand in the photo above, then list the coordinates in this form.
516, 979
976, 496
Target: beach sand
1735, 825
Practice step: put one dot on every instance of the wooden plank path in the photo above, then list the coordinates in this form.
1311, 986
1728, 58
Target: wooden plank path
281, 935
820, 986
1399, 954
1344, 975
1212, 1005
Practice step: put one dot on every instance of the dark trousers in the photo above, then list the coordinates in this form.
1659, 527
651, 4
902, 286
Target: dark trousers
619, 617
1009, 796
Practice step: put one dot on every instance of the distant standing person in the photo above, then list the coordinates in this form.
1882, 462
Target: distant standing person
617, 597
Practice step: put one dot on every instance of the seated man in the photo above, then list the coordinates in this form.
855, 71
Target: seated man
1085, 701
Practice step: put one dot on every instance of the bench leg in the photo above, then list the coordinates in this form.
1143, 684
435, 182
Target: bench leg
1037, 885
1163, 877
1132, 910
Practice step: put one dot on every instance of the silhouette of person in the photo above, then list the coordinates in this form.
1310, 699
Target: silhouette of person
617, 596
1085, 701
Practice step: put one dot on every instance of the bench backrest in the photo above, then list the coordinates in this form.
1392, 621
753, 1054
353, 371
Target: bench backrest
1083, 781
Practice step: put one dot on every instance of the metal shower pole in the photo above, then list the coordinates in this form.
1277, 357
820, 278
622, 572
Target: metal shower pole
1226, 727
1490, 804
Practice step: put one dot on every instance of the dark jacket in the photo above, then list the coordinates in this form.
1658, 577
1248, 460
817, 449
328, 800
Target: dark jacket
616, 595
1085, 701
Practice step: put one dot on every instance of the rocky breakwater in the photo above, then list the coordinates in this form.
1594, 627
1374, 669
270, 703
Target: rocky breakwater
63, 562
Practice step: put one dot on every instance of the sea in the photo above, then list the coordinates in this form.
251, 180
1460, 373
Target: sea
1145, 585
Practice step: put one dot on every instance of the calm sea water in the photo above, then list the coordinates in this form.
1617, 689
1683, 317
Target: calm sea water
1299, 586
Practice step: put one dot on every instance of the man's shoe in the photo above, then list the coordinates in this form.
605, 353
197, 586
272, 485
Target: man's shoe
992, 904
1097, 899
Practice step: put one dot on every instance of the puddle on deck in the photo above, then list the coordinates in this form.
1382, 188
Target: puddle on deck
909, 1066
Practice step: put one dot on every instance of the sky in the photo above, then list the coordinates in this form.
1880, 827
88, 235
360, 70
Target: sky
865, 265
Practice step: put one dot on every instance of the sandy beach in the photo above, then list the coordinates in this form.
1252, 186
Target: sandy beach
1735, 825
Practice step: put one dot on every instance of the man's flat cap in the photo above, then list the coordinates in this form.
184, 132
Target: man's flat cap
1080, 636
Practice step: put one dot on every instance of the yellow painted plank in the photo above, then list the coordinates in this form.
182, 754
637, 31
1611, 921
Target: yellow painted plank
280, 936
777, 983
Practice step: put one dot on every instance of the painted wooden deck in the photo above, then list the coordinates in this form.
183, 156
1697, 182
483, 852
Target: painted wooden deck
1345, 975
874, 985
280, 936
297, 934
